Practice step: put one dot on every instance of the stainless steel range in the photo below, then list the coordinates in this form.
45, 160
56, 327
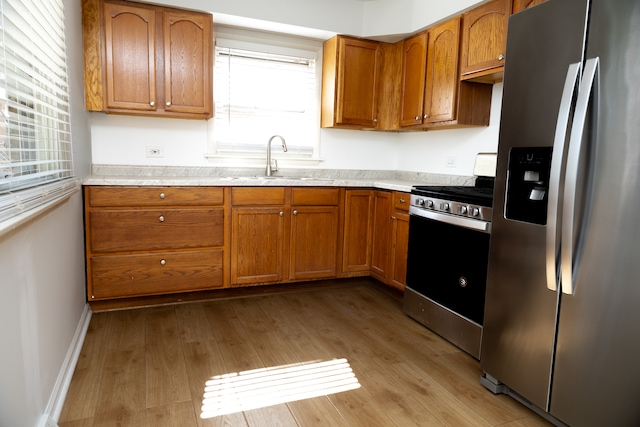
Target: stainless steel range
449, 230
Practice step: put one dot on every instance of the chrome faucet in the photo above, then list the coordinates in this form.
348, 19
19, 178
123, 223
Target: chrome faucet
284, 148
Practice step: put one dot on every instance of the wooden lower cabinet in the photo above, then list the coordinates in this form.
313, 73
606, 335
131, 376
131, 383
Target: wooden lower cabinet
390, 237
144, 241
117, 276
356, 249
283, 234
382, 201
314, 242
257, 242
399, 245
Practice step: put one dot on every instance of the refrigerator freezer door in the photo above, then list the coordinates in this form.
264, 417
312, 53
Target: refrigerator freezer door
520, 312
597, 370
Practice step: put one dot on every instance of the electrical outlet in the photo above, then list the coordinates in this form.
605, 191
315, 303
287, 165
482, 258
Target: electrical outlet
451, 162
155, 151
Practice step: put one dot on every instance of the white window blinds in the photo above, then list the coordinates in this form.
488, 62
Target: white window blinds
259, 94
35, 135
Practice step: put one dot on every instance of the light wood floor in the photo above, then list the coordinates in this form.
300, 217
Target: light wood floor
148, 366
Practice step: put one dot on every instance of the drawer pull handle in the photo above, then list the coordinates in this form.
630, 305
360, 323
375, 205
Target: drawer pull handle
295, 212
161, 219
402, 200
162, 262
162, 195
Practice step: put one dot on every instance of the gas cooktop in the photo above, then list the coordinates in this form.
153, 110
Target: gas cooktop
481, 194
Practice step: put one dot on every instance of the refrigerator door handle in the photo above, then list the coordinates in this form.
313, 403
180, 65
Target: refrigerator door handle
588, 87
557, 156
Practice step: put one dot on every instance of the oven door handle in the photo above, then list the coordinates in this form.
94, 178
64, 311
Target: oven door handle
473, 224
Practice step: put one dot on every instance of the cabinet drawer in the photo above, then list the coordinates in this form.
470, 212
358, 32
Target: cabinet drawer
155, 196
115, 276
257, 196
401, 201
315, 196
136, 230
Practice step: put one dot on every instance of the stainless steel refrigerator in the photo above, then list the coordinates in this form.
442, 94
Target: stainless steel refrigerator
562, 314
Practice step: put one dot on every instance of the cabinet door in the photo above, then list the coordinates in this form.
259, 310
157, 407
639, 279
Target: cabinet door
520, 5
314, 242
357, 81
356, 256
399, 243
484, 37
380, 247
130, 57
257, 245
414, 62
441, 88
187, 62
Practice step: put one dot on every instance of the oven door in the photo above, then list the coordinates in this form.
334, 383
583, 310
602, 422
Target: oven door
447, 262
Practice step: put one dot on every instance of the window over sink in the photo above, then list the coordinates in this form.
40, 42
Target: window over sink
265, 84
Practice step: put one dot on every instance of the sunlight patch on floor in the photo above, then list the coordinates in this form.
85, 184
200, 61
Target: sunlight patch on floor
259, 388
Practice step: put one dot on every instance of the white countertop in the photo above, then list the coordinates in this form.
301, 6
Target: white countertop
174, 176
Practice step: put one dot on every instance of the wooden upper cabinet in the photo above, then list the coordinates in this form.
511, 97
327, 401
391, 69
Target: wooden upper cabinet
147, 60
414, 63
187, 59
520, 5
130, 39
484, 39
350, 82
441, 88
432, 93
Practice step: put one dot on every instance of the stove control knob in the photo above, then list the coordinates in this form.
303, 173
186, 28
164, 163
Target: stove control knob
420, 202
445, 207
429, 204
463, 210
475, 212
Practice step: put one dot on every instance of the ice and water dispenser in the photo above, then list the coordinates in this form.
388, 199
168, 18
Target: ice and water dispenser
528, 184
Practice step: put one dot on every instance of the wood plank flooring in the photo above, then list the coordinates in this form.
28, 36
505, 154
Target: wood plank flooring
149, 366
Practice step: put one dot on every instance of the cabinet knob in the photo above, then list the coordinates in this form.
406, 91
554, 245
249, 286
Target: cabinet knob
417, 118
168, 103
161, 219
162, 195
393, 217
295, 212
162, 262
152, 103
281, 213
500, 57
375, 120
426, 116
402, 200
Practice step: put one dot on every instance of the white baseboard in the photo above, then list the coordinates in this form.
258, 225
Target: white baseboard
61, 387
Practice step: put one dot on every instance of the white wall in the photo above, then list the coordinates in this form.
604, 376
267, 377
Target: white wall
42, 279
408, 16
432, 151
122, 140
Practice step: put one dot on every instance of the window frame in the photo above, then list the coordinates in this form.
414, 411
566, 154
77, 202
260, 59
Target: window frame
278, 44
34, 96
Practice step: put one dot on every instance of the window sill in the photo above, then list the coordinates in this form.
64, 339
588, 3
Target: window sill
249, 161
19, 220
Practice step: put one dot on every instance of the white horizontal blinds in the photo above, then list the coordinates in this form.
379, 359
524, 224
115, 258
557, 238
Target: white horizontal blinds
258, 95
35, 134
